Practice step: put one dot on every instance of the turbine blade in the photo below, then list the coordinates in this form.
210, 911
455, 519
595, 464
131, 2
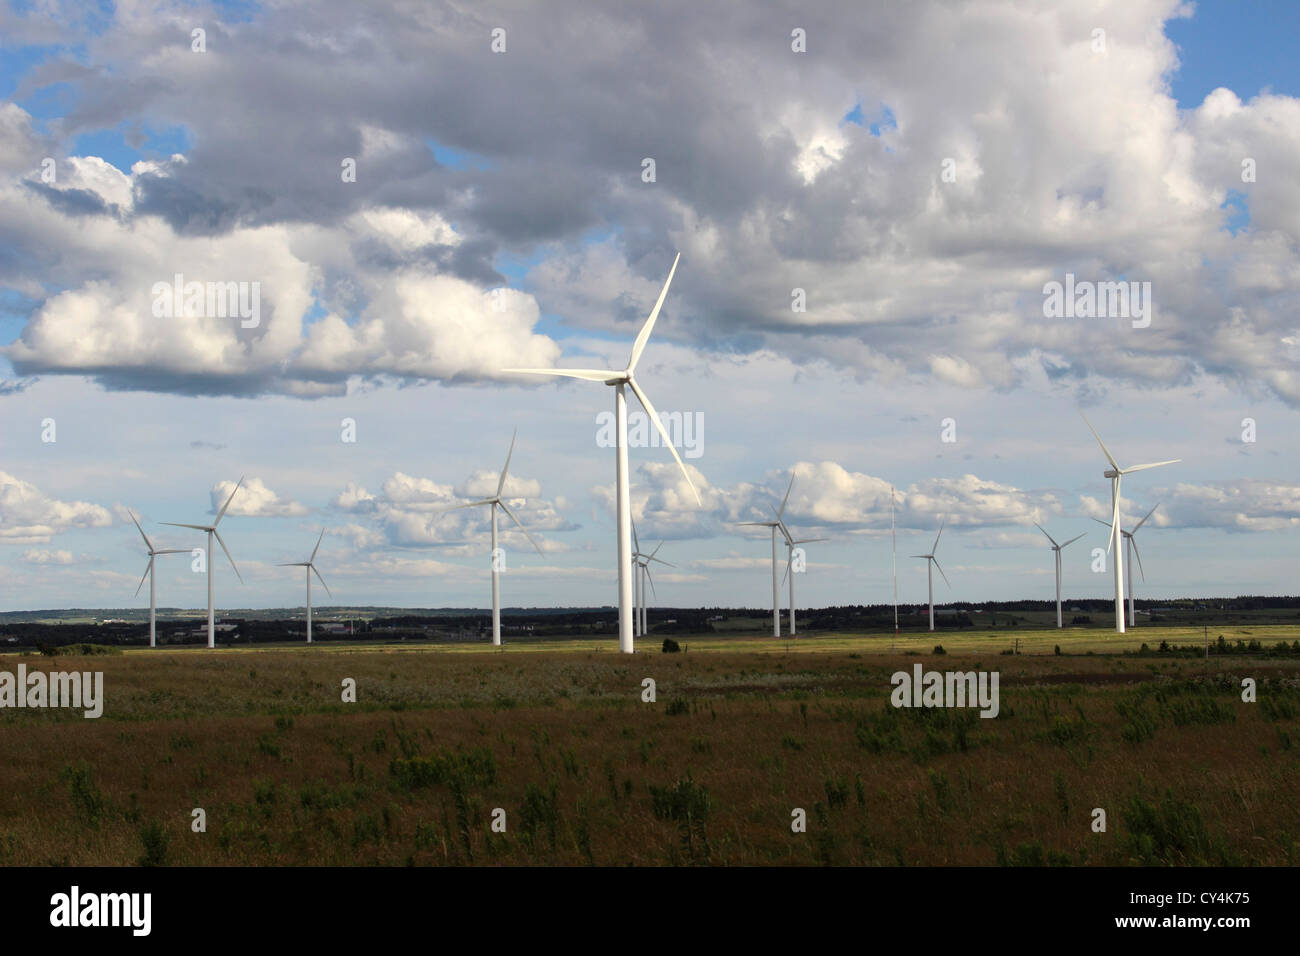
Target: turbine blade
644, 335
1154, 464
1114, 519
294, 564
651, 555
502, 482
142, 579
228, 501
654, 417
1077, 536
788, 488
636, 545
1049, 537
1104, 450
650, 578
196, 527
1137, 555
1144, 520
787, 568
468, 504
587, 374
810, 540
765, 524
217, 534
938, 536
536, 546
147, 543
661, 561
321, 579
317, 548
944, 576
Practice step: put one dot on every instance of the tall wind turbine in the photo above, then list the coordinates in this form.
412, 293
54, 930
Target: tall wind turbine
932, 562
211, 530
1131, 552
149, 573
310, 565
774, 525
621, 381
790, 545
1057, 549
496, 502
1115, 473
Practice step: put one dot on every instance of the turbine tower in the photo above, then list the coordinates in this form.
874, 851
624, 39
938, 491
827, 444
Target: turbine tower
149, 573
1131, 552
1115, 473
310, 565
932, 562
1057, 549
621, 381
496, 502
790, 545
211, 530
774, 525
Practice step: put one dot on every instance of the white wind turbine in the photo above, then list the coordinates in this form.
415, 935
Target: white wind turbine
932, 562
1130, 552
1115, 473
310, 565
774, 525
1057, 548
621, 380
790, 545
211, 530
643, 578
149, 573
496, 502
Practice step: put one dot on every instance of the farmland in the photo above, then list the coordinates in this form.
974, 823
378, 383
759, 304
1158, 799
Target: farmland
743, 732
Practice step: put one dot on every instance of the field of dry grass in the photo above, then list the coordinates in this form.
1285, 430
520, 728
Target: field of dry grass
709, 774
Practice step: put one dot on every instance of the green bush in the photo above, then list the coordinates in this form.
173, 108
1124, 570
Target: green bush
154, 839
671, 646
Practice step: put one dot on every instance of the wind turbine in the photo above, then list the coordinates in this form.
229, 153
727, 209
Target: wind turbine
790, 545
1057, 549
1115, 473
642, 577
310, 565
212, 532
149, 573
932, 562
622, 381
496, 502
774, 525
1130, 552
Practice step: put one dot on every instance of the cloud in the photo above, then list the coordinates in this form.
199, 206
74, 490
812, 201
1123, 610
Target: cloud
1241, 505
761, 185
254, 500
29, 516
43, 556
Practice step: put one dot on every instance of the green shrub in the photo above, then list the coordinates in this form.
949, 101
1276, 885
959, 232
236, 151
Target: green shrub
671, 646
154, 839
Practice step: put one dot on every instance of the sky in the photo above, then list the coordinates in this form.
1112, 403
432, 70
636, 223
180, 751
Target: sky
870, 205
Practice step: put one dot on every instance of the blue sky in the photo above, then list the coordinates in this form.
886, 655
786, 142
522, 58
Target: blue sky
924, 300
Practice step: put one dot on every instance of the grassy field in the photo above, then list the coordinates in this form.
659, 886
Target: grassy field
743, 732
